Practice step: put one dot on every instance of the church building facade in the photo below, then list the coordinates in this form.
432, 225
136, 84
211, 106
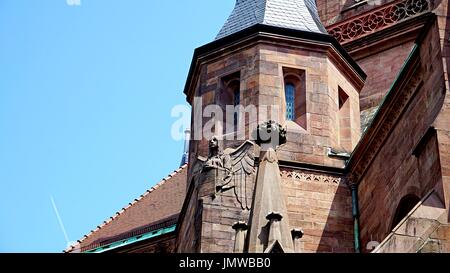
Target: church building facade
338, 140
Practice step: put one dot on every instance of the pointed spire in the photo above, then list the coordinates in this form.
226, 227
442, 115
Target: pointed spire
293, 14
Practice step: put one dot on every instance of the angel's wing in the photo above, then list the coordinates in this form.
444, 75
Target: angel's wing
242, 170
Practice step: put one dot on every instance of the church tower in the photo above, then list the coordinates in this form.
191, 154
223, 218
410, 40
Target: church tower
273, 69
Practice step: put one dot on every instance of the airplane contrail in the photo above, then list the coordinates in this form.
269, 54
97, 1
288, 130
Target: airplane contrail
60, 220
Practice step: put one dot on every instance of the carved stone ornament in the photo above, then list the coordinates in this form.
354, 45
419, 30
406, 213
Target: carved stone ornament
378, 19
270, 134
310, 177
269, 231
236, 166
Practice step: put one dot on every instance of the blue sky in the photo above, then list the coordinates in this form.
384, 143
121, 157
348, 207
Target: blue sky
86, 94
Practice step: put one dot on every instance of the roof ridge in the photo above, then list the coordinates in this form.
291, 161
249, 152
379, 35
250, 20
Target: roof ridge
124, 209
264, 12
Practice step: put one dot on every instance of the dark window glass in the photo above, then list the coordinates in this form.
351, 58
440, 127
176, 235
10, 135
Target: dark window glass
237, 101
237, 97
290, 101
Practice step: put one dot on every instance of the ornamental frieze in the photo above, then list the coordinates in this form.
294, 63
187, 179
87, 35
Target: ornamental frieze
378, 19
310, 177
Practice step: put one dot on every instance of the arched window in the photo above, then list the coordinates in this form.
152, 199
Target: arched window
404, 208
295, 96
289, 89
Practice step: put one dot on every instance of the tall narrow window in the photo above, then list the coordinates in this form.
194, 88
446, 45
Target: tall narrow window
295, 95
290, 101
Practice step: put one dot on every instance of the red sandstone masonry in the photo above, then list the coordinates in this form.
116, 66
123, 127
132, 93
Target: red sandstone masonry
382, 68
322, 209
396, 172
442, 123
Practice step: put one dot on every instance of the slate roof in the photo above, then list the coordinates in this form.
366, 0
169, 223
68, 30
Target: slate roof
160, 204
293, 14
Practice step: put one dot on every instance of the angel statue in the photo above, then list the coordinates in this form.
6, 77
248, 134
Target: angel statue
216, 158
238, 167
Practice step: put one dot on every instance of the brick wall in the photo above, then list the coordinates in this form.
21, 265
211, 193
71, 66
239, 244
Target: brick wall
442, 123
219, 213
317, 203
262, 83
208, 88
396, 172
382, 69
423, 230
320, 205
187, 238
323, 80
